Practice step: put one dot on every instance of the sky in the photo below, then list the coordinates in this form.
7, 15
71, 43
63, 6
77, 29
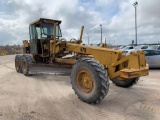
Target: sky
116, 16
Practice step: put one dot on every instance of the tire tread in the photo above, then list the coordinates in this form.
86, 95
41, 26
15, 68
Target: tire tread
101, 75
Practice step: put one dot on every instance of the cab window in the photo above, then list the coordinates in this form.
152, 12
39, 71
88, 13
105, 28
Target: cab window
152, 52
32, 32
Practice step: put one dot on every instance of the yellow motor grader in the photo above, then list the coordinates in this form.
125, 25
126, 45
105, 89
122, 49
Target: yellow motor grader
91, 67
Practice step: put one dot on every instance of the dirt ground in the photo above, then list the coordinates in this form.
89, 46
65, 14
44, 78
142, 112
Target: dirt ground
50, 97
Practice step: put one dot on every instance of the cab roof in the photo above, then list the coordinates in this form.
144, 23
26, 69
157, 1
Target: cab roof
45, 20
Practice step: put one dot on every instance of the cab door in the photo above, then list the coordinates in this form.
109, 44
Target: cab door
33, 40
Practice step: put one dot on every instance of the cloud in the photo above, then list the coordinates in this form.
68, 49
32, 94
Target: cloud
122, 24
116, 17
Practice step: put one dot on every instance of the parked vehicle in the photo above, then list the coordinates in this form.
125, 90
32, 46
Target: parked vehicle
127, 48
141, 47
121, 47
88, 66
154, 47
152, 57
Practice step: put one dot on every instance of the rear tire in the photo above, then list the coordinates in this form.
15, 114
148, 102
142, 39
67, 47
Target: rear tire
89, 80
18, 63
125, 83
26, 61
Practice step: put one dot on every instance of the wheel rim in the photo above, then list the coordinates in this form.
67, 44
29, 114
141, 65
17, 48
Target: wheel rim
84, 81
17, 64
24, 66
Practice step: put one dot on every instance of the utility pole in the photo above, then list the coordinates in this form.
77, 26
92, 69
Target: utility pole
88, 38
101, 32
135, 5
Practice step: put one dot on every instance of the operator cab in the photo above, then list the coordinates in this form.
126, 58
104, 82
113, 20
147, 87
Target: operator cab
41, 32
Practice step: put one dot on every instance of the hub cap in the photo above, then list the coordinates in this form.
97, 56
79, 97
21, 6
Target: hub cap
85, 81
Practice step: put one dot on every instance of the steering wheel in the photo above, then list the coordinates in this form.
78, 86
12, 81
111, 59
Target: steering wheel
73, 40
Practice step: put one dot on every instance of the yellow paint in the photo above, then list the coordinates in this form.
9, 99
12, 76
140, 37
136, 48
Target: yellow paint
115, 63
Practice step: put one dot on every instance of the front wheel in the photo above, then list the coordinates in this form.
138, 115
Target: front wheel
125, 83
89, 80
